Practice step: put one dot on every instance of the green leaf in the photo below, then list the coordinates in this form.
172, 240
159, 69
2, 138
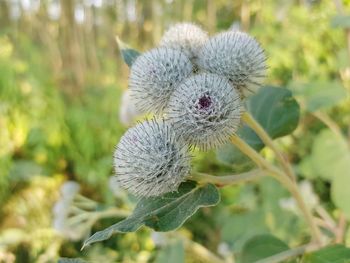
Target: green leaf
334, 254
23, 170
70, 260
340, 192
320, 94
260, 247
330, 155
342, 21
172, 253
129, 54
240, 227
277, 112
163, 213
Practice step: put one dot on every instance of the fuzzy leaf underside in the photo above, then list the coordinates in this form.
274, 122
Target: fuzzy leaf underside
164, 213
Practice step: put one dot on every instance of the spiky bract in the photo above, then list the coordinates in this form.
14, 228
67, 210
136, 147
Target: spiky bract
238, 57
154, 75
205, 110
150, 160
187, 37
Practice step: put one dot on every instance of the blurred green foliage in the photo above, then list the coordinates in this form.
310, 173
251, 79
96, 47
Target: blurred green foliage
61, 79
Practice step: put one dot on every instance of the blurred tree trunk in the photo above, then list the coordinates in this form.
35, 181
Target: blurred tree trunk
72, 52
188, 10
211, 16
4, 15
245, 16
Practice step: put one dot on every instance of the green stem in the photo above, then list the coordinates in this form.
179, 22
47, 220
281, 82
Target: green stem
283, 179
285, 255
112, 212
252, 123
227, 179
202, 251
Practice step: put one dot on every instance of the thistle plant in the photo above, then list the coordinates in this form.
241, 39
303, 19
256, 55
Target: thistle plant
154, 76
220, 103
150, 160
237, 56
186, 37
205, 110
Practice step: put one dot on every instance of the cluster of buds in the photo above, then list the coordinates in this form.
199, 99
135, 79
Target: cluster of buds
194, 85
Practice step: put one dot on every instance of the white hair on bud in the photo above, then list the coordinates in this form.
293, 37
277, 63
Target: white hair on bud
154, 76
205, 110
238, 57
150, 160
185, 36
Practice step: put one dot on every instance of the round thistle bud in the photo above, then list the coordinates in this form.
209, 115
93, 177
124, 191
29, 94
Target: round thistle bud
154, 76
205, 110
185, 36
150, 160
238, 57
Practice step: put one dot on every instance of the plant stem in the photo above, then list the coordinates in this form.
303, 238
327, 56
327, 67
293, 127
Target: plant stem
283, 256
112, 212
252, 123
283, 179
202, 252
227, 179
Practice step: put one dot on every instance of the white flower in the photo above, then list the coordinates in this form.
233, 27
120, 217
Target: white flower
159, 238
61, 212
224, 249
154, 76
187, 37
69, 189
237, 56
127, 110
308, 195
150, 160
205, 110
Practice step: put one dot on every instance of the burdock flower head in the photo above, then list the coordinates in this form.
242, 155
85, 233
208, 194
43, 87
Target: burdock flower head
150, 160
205, 110
185, 36
237, 56
154, 75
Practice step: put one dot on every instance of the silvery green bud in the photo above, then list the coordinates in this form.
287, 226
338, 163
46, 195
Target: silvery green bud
238, 57
150, 160
154, 76
205, 110
187, 37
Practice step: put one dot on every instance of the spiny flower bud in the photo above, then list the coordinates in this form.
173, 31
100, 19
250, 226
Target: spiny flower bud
185, 36
205, 110
150, 160
238, 57
154, 76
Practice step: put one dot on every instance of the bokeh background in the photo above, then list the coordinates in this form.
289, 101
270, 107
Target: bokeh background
61, 84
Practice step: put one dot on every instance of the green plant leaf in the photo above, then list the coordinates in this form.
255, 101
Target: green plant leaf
172, 253
277, 112
342, 21
260, 247
334, 254
129, 54
330, 156
320, 94
164, 213
71, 260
